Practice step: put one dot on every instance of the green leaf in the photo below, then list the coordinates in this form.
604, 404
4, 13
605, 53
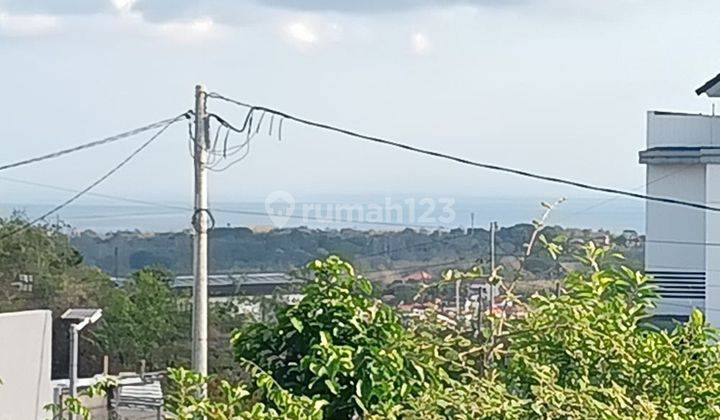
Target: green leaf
420, 370
365, 286
324, 338
296, 323
332, 387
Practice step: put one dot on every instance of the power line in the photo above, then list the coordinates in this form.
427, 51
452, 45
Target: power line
122, 215
704, 309
94, 194
458, 159
92, 144
327, 219
225, 98
603, 202
117, 167
674, 242
435, 241
421, 266
307, 217
220, 210
446, 241
661, 301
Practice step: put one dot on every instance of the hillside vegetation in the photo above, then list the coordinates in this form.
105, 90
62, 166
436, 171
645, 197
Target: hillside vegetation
241, 249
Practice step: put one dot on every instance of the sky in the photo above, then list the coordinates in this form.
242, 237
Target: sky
559, 87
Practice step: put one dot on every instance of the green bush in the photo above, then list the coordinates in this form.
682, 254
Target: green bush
341, 345
587, 353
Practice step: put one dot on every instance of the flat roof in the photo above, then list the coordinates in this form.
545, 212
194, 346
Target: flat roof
225, 280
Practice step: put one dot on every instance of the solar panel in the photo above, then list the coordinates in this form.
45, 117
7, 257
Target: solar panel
79, 314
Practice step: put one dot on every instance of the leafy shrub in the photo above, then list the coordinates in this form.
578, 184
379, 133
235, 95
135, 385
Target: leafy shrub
586, 353
194, 397
342, 345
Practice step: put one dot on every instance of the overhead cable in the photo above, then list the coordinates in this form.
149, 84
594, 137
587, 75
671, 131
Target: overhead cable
91, 144
462, 160
109, 173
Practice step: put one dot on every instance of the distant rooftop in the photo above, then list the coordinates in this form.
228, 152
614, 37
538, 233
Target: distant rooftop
231, 283
238, 279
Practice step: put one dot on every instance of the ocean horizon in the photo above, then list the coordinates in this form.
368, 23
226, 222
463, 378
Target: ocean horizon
613, 214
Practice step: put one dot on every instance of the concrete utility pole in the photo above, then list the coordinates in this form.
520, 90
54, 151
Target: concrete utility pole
458, 308
480, 312
200, 240
72, 377
491, 292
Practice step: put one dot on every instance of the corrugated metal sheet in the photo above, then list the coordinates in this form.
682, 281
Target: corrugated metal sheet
228, 280
133, 392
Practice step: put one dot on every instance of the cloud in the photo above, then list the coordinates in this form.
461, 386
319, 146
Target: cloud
230, 11
185, 20
190, 31
123, 6
239, 11
55, 7
27, 25
302, 32
420, 43
377, 6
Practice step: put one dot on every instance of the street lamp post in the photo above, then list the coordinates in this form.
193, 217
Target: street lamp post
80, 319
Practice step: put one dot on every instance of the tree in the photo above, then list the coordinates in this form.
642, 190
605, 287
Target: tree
142, 320
57, 280
57, 275
341, 345
591, 352
586, 353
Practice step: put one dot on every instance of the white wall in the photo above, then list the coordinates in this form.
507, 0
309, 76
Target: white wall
665, 129
25, 363
712, 285
672, 223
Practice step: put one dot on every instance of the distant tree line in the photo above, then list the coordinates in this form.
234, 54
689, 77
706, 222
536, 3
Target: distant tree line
241, 249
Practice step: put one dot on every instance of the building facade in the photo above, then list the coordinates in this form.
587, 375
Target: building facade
682, 249
25, 364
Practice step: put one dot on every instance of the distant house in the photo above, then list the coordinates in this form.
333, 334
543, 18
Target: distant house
24, 282
416, 276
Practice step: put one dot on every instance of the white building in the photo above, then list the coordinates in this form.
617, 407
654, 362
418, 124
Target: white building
25, 364
682, 250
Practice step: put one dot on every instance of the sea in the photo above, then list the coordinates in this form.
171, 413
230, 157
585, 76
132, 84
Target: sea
614, 214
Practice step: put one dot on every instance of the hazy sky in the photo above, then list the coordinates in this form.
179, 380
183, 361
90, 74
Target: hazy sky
559, 87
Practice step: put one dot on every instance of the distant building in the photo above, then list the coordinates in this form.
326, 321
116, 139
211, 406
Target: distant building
232, 288
416, 276
233, 284
240, 284
24, 282
681, 252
